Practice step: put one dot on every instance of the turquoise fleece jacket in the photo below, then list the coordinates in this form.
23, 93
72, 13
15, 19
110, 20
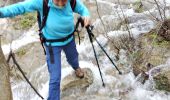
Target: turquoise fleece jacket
60, 21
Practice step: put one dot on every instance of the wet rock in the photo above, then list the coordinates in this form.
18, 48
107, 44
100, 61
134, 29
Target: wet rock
71, 83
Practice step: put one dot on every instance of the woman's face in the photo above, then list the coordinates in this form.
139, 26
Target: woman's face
60, 3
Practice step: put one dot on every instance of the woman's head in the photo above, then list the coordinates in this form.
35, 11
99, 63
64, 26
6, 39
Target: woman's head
60, 3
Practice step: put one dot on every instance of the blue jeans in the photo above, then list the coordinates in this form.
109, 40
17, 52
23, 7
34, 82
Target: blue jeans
55, 68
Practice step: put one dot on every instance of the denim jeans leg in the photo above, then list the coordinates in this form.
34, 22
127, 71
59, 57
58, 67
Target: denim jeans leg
55, 73
72, 54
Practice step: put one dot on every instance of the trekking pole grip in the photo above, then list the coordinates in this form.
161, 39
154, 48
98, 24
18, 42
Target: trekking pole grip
81, 20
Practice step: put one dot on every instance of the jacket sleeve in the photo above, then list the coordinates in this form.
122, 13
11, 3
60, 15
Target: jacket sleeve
20, 8
81, 9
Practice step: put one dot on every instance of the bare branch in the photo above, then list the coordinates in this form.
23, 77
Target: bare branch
125, 18
105, 30
159, 10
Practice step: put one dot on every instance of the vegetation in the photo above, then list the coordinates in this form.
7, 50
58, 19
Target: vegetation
21, 52
159, 41
162, 83
25, 21
138, 6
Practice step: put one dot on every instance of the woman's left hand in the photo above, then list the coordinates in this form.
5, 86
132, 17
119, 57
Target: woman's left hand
86, 21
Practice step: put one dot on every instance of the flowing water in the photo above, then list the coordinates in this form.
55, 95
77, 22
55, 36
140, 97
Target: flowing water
118, 87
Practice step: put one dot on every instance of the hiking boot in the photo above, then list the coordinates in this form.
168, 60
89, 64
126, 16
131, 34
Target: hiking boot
79, 73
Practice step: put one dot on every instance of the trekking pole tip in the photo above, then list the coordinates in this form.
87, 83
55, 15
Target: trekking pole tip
120, 73
103, 85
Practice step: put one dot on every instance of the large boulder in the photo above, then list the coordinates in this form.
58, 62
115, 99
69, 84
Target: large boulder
71, 83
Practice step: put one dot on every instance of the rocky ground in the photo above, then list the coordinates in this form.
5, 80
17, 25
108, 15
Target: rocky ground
152, 50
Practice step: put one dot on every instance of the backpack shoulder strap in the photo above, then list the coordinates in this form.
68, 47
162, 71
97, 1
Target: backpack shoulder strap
42, 22
45, 15
73, 4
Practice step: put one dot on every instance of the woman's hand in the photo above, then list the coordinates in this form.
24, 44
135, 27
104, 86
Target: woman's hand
86, 21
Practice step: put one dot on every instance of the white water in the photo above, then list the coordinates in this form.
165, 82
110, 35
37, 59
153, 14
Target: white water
115, 84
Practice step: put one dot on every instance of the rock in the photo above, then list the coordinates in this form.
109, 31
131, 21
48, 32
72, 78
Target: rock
162, 81
71, 83
30, 58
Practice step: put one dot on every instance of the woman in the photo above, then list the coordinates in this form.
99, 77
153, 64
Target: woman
59, 24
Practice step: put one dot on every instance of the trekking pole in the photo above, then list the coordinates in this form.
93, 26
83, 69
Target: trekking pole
76, 28
91, 40
108, 56
91, 36
105, 51
89, 30
80, 20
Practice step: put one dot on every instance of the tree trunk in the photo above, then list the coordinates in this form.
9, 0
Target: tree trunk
5, 88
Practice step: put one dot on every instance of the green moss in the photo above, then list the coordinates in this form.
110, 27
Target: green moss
162, 83
163, 43
138, 6
153, 35
137, 54
21, 52
158, 42
25, 21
